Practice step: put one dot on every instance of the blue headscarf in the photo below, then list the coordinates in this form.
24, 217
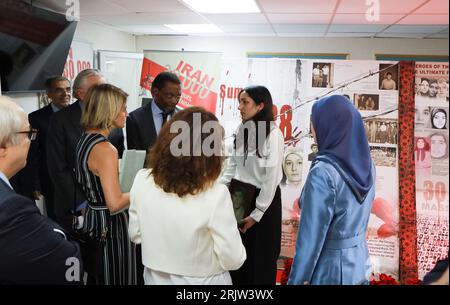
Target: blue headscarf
341, 137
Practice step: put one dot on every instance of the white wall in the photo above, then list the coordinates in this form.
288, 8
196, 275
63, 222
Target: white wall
105, 38
358, 48
101, 38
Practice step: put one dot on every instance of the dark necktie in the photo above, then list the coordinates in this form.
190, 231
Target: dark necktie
164, 117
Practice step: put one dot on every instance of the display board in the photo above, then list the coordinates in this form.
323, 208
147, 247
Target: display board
432, 163
294, 82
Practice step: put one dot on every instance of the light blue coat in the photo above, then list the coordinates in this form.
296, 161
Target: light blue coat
331, 248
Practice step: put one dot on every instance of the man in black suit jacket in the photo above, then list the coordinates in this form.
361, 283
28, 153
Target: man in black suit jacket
63, 133
143, 124
34, 249
59, 92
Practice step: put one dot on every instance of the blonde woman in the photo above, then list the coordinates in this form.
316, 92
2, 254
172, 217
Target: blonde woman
97, 173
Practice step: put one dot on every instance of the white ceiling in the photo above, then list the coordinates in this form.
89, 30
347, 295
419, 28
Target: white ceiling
284, 18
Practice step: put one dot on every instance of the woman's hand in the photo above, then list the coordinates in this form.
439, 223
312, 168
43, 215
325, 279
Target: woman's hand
246, 224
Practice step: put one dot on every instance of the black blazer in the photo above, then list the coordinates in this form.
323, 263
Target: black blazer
141, 132
64, 131
37, 156
31, 251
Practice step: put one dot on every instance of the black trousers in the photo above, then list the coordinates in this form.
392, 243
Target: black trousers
262, 243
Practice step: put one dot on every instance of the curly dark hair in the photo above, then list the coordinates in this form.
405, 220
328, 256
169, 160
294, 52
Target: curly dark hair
193, 170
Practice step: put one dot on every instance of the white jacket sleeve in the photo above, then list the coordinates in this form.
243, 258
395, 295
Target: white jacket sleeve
134, 230
274, 148
224, 230
230, 171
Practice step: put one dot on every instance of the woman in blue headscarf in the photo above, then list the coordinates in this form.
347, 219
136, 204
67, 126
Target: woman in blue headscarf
336, 200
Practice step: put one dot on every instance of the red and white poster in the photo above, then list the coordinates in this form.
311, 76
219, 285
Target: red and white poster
198, 72
81, 57
291, 83
431, 156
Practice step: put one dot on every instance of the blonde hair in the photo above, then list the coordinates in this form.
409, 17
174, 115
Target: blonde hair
103, 103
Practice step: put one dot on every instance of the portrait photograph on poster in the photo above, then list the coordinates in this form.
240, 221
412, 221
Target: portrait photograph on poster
366, 102
322, 75
388, 79
384, 131
384, 156
422, 116
434, 88
439, 146
439, 118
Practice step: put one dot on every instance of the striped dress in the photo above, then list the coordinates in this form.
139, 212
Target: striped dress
118, 253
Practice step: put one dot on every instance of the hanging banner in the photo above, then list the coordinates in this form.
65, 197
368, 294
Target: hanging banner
431, 156
198, 72
81, 57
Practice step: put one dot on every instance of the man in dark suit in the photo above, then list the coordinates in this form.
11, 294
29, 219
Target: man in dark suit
34, 249
143, 124
59, 93
63, 133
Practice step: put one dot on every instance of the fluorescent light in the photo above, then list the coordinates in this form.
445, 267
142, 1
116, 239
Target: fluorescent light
223, 6
194, 28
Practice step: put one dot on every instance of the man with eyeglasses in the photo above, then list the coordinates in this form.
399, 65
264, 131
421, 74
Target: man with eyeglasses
34, 249
144, 124
58, 91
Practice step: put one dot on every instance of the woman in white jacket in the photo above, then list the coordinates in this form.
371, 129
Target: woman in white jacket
181, 215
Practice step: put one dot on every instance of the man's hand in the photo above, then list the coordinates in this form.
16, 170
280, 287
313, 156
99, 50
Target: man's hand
37, 195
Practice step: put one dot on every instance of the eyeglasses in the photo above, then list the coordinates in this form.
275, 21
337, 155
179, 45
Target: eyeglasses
31, 134
170, 96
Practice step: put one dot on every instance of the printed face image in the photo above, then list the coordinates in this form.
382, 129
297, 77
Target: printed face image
293, 168
422, 116
439, 120
424, 87
442, 90
438, 146
420, 143
433, 89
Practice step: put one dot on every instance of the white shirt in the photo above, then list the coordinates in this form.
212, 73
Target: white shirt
152, 277
193, 236
3, 177
265, 173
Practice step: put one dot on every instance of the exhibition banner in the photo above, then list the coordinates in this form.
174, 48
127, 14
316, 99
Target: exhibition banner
81, 57
197, 71
294, 82
431, 157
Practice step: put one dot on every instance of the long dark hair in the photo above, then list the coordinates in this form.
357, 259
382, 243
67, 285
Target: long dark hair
259, 94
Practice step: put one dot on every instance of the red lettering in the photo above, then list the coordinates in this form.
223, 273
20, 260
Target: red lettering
187, 69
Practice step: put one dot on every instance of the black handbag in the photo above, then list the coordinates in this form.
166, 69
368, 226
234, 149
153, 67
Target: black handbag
91, 246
